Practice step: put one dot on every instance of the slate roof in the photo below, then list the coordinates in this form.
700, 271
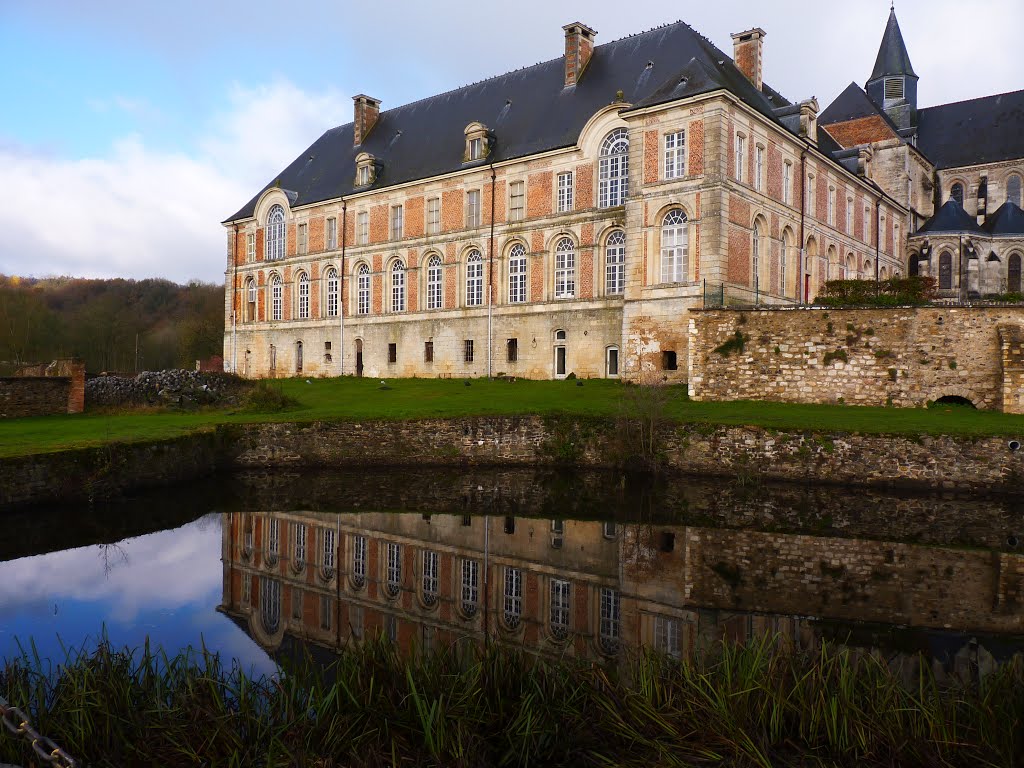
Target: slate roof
892, 58
951, 219
985, 130
528, 110
852, 104
1007, 220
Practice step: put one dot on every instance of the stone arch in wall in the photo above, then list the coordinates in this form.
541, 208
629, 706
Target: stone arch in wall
954, 393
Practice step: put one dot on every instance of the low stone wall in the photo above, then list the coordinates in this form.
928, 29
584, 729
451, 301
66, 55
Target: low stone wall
903, 356
33, 396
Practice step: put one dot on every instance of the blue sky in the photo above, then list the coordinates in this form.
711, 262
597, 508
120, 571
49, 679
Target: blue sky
128, 130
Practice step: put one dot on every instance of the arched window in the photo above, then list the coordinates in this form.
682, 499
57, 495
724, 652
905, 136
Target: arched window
474, 279
513, 597
613, 169
913, 265
1013, 190
276, 298
675, 247
250, 300
835, 266
303, 296
956, 192
270, 604
393, 575
758, 255
398, 286
946, 271
615, 262
851, 267
786, 260
333, 292
517, 274
363, 290
565, 269
1013, 273
435, 287
561, 592
868, 270
470, 587
275, 234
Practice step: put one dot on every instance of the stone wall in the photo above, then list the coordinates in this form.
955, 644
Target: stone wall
903, 357
50, 389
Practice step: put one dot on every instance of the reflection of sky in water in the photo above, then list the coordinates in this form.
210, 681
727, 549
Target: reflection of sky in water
164, 586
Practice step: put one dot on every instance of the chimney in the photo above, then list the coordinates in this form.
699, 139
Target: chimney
746, 53
367, 109
579, 45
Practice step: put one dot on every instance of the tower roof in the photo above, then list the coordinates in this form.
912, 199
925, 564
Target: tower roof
893, 58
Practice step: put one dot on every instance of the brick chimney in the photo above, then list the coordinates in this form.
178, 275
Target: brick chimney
366, 111
579, 46
746, 52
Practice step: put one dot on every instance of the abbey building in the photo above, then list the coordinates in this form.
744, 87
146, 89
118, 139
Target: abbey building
563, 218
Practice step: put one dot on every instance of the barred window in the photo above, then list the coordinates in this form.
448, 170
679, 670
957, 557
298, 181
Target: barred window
398, 286
435, 286
615, 262
470, 587
613, 169
328, 542
608, 635
517, 201
333, 292
430, 568
675, 155
275, 234
363, 289
298, 546
517, 274
467, 355
358, 561
393, 582
674, 247
565, 269
559, 609
303, 296
565, 196
666, 636
276, 298
474, 279
273, 540
513, 594
270, 604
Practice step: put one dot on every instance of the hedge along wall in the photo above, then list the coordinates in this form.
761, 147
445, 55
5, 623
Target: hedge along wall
903, 356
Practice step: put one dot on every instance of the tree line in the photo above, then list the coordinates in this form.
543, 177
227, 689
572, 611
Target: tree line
114, 325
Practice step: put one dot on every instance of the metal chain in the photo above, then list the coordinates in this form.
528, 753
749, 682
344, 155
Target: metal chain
17, 724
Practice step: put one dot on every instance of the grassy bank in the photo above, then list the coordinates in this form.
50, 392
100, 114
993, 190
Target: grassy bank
750, 706
351, 398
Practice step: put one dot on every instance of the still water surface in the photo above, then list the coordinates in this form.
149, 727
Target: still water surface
254, 566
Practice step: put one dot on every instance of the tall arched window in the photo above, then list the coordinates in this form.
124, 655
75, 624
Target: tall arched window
275, 234
613, 169
303, 296
435, 288
758, 259
363, 289
1013, 190
565, 269
517, 274
674, 247
946, 271
851, 267
913, 265
250, 300
786, 260
276, 298
270, 604
333, 292
1013, 273
956, 192
474, 279
615, 262
868, 270
398, 286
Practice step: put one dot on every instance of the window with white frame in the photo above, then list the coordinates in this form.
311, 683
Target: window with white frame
303, 296
393, 578
332, 233
273, 540
398, 286
276, 298
363, 290
667, 633
362, 228
565, 269
832, 206
675, 155
611, 362
397, 213
473, 208
787, 183
565, 198
298, 533
758, 167
333, 292
433, 215
430, 569
613, 169
516, 201
474, 279
250, 295
758, 244
470, 592
615, 262
559, 619
270, 604
674, 247
513, 597
435, 285
303, 238
476, 148
609, 629
328, 546
358, 561
741, 151
250, 247
517, 274
275, 234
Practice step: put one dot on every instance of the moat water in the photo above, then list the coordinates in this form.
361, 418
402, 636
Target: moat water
255, 566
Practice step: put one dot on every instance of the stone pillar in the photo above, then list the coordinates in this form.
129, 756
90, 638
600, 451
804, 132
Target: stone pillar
1011, 349
76, 394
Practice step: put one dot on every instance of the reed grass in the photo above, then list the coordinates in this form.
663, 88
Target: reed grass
752, 705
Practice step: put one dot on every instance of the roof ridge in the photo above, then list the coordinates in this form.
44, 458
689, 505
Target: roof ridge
976, 98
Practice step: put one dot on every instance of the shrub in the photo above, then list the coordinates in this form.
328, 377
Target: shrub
264, 397
893, 292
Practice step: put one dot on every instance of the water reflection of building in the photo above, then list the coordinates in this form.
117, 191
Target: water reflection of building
589, 588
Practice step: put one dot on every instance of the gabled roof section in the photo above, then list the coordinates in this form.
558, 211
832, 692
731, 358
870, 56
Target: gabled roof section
529, 111
951, 219
892, 58
1007, 220
985, 130
854, 119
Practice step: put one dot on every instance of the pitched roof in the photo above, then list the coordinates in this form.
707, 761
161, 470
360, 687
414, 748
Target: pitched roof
985, 130
529, 111
892, 58
1007, 220
852, 104
864, 121
951, 219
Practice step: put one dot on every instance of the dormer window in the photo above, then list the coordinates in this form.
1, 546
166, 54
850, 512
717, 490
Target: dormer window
366, 169
478, 144
894, 89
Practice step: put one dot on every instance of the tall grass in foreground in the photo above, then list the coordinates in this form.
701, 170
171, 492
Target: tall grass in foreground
753, 705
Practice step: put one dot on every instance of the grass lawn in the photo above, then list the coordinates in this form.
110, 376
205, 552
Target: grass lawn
351, 398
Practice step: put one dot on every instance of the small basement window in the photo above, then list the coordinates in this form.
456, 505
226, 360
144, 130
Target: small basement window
668, 361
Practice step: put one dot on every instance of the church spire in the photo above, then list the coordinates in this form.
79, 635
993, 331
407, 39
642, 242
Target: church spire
892, 58
893, 82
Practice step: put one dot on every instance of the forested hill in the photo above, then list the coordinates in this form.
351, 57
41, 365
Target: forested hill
101, 320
